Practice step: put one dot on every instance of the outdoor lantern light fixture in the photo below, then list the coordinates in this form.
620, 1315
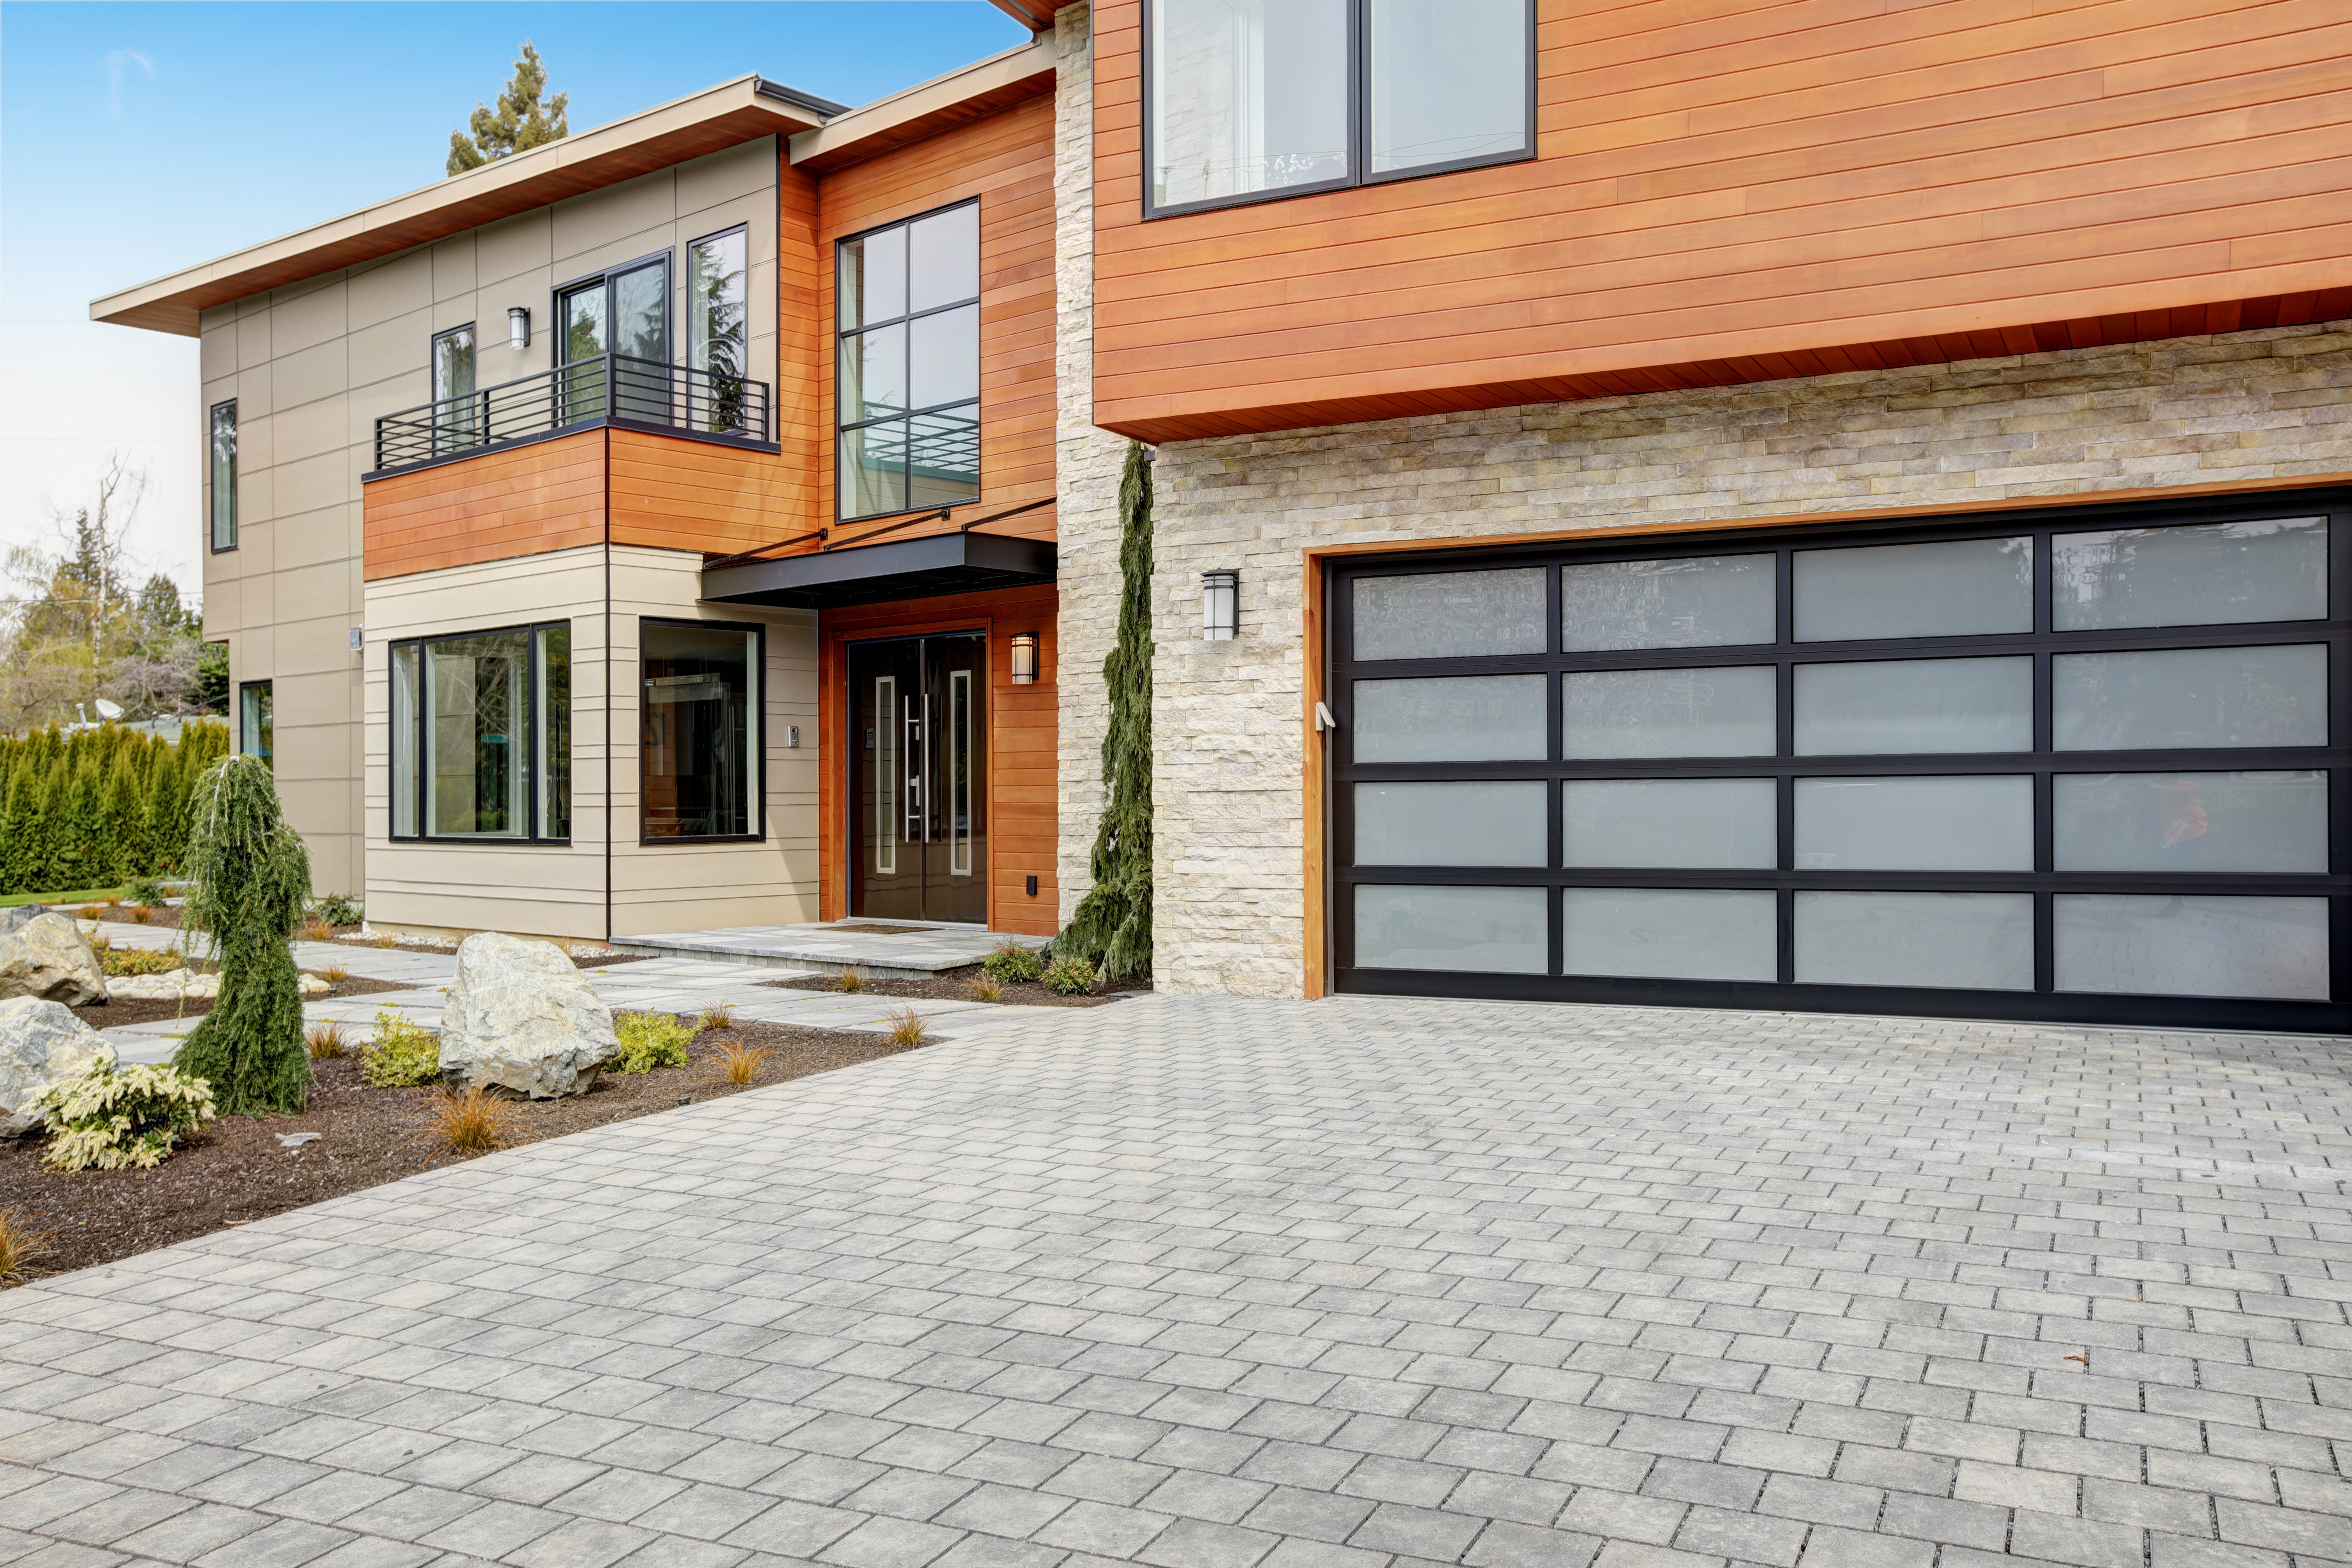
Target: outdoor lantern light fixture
1025, 659
518, 326
1221, 604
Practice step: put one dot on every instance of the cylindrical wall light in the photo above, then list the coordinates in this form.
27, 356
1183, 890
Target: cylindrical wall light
1221, 604
518, 326
1025, 659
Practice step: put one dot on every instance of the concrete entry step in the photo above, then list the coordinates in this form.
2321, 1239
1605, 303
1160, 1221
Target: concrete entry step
886, 949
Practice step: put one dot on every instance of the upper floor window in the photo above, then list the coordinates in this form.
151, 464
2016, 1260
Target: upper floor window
1256, 100
718, 331
454, 421
223, 453
616, 323
908, 388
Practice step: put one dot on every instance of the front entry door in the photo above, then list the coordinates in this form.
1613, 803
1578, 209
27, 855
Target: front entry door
917, 817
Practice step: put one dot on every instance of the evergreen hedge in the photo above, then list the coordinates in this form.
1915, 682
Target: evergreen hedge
98, 806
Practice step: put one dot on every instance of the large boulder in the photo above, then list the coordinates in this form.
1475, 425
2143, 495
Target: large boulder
521, 1017
46, 957
40, 1042
20, 914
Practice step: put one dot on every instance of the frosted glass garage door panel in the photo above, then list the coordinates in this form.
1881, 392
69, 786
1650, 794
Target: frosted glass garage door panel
2192, 574
1450, 614
2189, 697
1973, 942
1671, 933
1724, 711
2243, 822
2191, 946
1451, 719
1469, 823
1734, 823
1494, 931
1960, 823
1708, 601
1898, 706
1967, 587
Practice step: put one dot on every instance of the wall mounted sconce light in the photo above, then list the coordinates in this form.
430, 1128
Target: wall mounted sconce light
518, 326
1221, 604
1025, 659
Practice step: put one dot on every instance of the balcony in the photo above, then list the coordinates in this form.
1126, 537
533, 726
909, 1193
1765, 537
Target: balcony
614, 390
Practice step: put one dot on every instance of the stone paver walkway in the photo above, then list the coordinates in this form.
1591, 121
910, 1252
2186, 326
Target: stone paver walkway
1217, 1283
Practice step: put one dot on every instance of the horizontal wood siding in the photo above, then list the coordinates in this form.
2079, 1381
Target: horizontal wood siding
524, 501
1022, 775
674, 494
1740, 190
1007, 161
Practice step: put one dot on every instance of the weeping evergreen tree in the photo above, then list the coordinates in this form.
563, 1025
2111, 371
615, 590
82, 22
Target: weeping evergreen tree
252, 880
1112, 926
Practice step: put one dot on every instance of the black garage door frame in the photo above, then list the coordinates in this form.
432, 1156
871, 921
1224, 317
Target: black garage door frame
2044, 1003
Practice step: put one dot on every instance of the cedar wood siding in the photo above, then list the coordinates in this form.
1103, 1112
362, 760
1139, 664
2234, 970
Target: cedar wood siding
1745, 190
519, 501
1021, 804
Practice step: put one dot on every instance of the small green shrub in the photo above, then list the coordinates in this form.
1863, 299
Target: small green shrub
122, 961
338, 910
145, 890
113, 1119
1069, 977
1012, 961
649, 1040
402, 1055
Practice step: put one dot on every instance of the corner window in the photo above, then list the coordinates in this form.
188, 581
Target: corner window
698, 734
256, 728
717, 332
456, 424
481, 735
909, 384
1256, 99
223, 453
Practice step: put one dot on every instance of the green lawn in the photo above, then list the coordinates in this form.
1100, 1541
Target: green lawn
84, 896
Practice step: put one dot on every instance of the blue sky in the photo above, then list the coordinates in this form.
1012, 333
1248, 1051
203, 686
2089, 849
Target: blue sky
137, 138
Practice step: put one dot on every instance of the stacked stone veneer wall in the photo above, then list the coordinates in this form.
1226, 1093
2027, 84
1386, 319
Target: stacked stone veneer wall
1086, 467
1231, 750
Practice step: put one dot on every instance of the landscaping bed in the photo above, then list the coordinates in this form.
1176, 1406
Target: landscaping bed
236, 1171
129, 1010
955, 986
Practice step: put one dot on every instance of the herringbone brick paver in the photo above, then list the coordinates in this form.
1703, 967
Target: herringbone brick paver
1250, 1284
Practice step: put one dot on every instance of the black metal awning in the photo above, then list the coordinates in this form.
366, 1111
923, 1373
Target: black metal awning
868, 574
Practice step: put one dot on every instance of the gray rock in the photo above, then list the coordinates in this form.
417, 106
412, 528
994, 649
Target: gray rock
521, 1017
46, 957
40, 1043
10, 919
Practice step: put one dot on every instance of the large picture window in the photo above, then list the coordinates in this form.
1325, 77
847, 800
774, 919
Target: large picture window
221, 453
1254, 99
2091, 770
481, 735
908, 386
699, 740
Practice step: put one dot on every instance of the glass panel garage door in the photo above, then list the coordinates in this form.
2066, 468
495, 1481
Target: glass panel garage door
2091, 767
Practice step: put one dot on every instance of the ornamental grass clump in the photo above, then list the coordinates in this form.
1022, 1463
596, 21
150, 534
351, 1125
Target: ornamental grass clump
906, 1030
113, 1119
1069, 977
402, 1055
739, 1063
19, 1244
986, 988
252, 880
474, 1122
1012, 962
649, 1040
850, 981
328, 1041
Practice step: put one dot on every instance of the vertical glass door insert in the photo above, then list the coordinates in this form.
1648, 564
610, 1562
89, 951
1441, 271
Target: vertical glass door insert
918, 754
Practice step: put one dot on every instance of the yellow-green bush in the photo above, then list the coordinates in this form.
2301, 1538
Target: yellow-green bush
1069, 977
649, 1040
111, 1118
123, 960
402, 1055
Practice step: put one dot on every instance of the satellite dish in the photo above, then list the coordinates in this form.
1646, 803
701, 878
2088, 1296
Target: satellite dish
107, 709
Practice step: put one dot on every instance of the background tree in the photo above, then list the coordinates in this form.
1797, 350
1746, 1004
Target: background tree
252, 880
1111, 926
521, 123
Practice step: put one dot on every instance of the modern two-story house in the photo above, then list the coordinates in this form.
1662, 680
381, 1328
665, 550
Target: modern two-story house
1772, 504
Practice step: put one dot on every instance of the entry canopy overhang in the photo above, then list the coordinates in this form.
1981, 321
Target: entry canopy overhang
870, 573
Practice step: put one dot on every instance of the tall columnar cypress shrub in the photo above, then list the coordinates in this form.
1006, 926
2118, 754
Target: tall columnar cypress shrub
124, 821
48, 857
167, 815
252, 880
1112, 925
86, 860
21, 861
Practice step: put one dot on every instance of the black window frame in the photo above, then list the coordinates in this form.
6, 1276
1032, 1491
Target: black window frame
2043, 1004
215, 502
433, 370
268, 689
757, 740
1360, 68
841, 336
534, 839
682, 350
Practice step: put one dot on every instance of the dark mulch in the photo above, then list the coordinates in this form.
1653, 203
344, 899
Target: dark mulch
955, 986
236, 1171
162, 917
130, 1010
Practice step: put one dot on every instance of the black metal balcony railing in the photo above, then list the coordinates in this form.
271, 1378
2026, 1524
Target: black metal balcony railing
610, 389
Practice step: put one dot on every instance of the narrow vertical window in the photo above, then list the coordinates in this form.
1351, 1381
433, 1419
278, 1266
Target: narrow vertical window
716, 332
886, 774
404, 718
909, 384
257, 727
958, 772
552, 761
224, 474
699, 769
456, 424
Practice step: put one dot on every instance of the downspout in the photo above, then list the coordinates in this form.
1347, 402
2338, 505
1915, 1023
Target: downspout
609, 690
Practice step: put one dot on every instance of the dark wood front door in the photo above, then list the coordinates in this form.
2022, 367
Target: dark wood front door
918, 817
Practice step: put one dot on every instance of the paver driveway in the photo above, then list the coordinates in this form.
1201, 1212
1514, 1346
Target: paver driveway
1224, 1282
